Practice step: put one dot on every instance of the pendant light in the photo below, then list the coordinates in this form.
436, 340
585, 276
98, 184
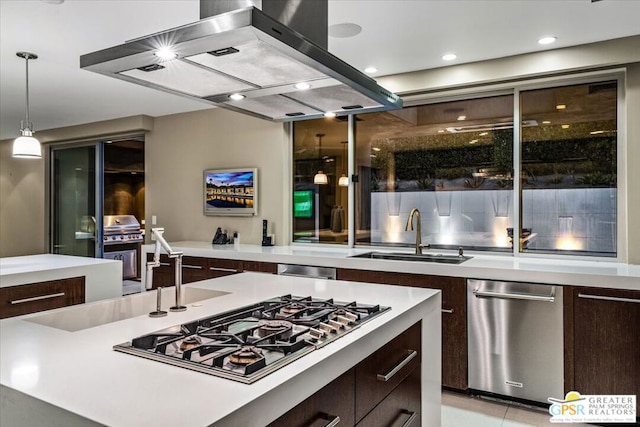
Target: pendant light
26, 146
343, 181
320, 178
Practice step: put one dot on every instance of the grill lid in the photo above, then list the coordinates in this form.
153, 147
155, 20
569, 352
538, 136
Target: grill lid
121, 224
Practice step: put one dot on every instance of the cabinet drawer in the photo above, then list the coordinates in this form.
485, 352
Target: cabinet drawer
194, 269
24, 299
333, 402
384, 370
400, 408
262, 267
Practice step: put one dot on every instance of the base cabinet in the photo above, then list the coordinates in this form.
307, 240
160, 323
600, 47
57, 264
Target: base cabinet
454, 315
41, 296
606, 341
382, 390
194, 269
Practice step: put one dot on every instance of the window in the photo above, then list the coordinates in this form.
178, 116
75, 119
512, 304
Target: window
452, 161
455, 162
568, 169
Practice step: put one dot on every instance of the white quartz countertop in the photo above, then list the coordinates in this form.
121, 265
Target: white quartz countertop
602, 274
14, 269
79, 372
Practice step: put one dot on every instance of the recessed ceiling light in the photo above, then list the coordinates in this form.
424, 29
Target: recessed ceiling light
440, 130
370, 70
166, 54
483, 134
564, 126
462, 117
52, 1
376, 149
329, 114
473, 141
449, 56
546, 122
344, 30
596, 132
302, 86
561, 107
547, 40
372, 155
236, 96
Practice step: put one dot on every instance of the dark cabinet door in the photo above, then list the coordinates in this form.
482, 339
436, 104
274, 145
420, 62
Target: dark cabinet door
194, 269
334, 400
259, 266
454, 315
384, 370
400, 408
35, 297
606, 341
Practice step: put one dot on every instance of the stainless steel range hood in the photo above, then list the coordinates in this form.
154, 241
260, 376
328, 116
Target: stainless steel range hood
249, 54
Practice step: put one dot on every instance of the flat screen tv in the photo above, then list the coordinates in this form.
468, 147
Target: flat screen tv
303, 204
231, 191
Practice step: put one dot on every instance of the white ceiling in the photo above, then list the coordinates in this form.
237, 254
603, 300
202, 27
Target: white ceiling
397, 36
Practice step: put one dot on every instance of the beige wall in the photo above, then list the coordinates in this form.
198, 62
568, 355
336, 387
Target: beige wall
182, 146
22, 216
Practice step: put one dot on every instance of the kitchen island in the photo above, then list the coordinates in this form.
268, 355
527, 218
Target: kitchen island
103, 277
51, 376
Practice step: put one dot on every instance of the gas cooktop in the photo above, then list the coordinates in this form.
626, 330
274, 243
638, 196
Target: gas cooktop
250, 342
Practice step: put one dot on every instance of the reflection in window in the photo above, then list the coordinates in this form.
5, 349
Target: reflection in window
569, 194
320, 210
453, 161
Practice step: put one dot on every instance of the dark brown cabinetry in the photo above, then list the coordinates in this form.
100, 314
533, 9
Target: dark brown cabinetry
34, 297
382, 389
454, 315
198, 268
333, 402
604, 339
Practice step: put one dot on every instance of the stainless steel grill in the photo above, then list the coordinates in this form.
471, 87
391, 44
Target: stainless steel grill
121, 229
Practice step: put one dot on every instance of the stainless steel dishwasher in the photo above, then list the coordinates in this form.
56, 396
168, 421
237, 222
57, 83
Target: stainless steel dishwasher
307, 271
515, 339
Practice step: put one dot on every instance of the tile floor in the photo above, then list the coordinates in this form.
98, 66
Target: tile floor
459, 410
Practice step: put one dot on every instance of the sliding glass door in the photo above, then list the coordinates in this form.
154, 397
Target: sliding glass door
76, 200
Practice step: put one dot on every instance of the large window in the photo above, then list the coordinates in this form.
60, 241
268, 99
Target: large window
455, 162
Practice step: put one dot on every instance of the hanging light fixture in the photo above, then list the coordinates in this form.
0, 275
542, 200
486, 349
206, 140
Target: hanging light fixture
343, 181
26, 146
320, 178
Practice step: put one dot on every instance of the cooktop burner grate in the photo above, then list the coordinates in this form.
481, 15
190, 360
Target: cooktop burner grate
250, 342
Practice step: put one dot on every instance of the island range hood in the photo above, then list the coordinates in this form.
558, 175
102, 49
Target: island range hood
254, 60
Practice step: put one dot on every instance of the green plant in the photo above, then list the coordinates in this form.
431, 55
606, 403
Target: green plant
598, 179
474, 182
424, 183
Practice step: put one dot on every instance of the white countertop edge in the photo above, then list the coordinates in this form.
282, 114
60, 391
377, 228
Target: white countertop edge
600, 274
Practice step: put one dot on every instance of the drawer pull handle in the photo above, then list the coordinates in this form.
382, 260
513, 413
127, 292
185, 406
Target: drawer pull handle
194, 267
165, 264
386, 377
411, 419
331, 420
505, 295
447, 310
223, 269
41, 297
605, 298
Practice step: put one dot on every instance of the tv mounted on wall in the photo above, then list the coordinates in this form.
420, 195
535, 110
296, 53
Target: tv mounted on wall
231, 191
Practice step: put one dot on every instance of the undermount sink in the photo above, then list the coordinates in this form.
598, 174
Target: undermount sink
399, 256
77, 318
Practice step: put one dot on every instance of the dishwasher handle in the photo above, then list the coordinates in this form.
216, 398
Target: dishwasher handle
505, 295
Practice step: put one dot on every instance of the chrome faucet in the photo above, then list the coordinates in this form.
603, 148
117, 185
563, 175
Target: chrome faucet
409, 227
177, 255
